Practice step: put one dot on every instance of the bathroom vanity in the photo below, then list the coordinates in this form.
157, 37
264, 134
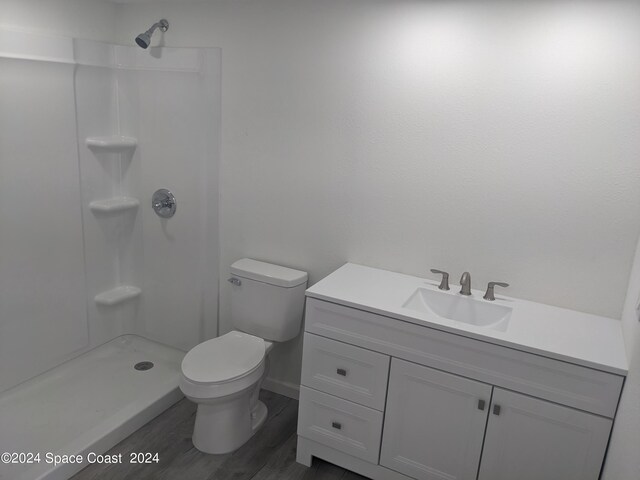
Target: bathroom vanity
402, 380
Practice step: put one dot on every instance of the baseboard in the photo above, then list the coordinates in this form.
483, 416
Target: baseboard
281, 387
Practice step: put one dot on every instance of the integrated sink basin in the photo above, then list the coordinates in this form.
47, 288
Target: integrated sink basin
459, 308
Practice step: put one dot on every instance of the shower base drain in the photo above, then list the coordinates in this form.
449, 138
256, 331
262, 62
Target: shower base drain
143, 366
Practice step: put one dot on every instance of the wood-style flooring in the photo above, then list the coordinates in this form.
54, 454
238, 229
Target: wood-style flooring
269, 455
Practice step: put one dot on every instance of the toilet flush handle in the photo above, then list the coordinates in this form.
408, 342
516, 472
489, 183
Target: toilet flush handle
235, 281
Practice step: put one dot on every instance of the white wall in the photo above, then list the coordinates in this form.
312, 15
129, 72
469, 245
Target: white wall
91, 19
495, 137
623, 461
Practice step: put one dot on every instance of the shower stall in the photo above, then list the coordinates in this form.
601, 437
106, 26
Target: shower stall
99, 296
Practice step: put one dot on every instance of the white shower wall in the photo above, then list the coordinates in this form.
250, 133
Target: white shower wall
43, 317
167, 100
174, 113
56, 253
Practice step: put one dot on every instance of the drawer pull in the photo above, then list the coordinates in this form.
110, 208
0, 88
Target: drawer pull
496, 409
342, 371
481, 405
336, 425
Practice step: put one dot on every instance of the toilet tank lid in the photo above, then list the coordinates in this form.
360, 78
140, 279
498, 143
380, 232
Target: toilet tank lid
268, 273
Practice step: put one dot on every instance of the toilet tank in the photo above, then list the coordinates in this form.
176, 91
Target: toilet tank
267, 300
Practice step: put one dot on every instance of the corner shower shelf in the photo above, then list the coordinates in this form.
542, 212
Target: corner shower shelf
115, 204
116, 143
117, 295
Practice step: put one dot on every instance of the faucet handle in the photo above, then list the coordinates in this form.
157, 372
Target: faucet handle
444, 284
489, 294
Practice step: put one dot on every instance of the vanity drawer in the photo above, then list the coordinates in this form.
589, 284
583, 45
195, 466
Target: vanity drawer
561, 382
340, 424
345, 371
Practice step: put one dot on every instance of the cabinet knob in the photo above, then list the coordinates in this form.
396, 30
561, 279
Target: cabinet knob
481, 404
342, 371
496, 409
336, 425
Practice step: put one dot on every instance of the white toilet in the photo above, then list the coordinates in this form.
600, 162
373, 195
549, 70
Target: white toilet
223, 375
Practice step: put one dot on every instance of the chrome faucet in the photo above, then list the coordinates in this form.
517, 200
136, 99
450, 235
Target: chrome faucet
465, 283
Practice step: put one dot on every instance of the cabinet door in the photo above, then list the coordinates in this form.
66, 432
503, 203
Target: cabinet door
434, 423
532, 439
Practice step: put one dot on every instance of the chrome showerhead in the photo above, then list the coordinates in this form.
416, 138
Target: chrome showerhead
144, 39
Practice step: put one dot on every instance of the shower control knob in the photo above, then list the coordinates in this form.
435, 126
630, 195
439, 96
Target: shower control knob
164, 203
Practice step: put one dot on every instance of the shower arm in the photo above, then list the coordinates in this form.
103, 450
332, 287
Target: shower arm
163, 25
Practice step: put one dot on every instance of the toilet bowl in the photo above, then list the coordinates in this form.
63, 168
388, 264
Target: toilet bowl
223, 375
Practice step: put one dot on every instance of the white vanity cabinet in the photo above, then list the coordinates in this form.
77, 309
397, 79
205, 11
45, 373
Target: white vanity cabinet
435, 428
434, 423
532, 439
392, 400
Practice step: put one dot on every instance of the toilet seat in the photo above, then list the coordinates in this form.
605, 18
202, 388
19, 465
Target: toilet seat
224, 359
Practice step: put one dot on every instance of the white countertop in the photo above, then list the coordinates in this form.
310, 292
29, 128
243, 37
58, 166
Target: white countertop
554, 332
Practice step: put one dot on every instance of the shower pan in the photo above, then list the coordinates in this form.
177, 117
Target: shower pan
99, 297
